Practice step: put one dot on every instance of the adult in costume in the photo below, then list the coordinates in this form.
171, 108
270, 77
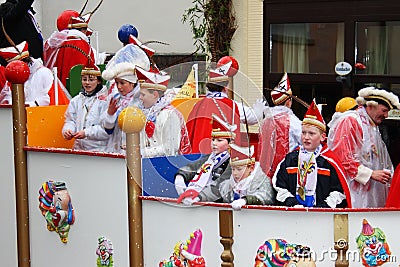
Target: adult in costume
217, 102
165, 131
356, 139
281, 129
311, 175
208, 168
18, 19
82, 117
71, 47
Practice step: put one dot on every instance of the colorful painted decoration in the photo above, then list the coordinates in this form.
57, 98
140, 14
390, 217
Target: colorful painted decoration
104, 252
280, 253
55, 205
187, 254
371, 243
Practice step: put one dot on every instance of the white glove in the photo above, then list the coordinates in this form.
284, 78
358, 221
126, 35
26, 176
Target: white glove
188, 201
180, 185
238, 204
259, 108
298, 206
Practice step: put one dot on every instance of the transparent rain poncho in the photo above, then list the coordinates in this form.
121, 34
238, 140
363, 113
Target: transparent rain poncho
359, 146
280, 133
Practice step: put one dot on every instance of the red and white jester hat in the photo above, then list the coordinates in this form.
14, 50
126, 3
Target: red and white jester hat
314, 118
151, 80
226, 67
282, 91
222, 129
241, 155
11, 53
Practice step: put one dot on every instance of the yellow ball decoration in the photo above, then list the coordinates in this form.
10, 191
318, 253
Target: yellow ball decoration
131, 120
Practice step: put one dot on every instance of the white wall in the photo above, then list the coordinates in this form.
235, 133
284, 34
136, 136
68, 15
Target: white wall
155, 20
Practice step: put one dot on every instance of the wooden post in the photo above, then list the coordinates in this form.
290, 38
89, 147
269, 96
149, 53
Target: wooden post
17, 72
230, 89
341, 237
134, 166
226, 233
131, 121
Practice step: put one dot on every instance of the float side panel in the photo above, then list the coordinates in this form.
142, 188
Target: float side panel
165, 224
387, 221
98, 190
8, 230
253, 227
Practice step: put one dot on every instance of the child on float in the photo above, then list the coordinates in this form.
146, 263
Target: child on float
210, 167
247, 185
165, 132
39, 83
82, 117
311, 175
124, 75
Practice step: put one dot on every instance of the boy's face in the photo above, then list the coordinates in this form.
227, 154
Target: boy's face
148, 98
124, 87
311, 137
89, 83
219, 145
241, 172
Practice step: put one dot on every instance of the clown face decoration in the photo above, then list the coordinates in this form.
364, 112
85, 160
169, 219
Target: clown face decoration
372, 245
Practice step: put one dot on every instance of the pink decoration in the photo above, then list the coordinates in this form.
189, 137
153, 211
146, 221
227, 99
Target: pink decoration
367, 228
194, 246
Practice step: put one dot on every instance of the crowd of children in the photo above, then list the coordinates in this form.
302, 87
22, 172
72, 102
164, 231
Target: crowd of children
299, 165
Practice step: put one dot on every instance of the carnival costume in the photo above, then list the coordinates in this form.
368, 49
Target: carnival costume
39, 83
209, 168
281, 129
68, 48
311, 178
255, 189
356, 139
123, 66
84, 112
199, 120
165, 131
21, 26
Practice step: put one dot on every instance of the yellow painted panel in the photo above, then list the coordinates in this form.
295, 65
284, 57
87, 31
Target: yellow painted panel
185, 105
44, 126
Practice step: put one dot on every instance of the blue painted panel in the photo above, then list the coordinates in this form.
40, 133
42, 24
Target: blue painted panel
158, 174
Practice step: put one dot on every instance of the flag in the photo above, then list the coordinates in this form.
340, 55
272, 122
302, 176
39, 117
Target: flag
189, 88
58, 93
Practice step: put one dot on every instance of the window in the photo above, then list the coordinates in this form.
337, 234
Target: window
377, 47
306, 47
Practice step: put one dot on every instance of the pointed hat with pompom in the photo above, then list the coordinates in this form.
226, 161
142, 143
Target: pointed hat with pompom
367, 228
194, 243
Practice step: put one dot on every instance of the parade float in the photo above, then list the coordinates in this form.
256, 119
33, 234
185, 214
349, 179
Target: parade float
74, 208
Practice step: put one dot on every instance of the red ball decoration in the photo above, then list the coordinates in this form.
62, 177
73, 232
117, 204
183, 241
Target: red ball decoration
17, 72
234, 67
